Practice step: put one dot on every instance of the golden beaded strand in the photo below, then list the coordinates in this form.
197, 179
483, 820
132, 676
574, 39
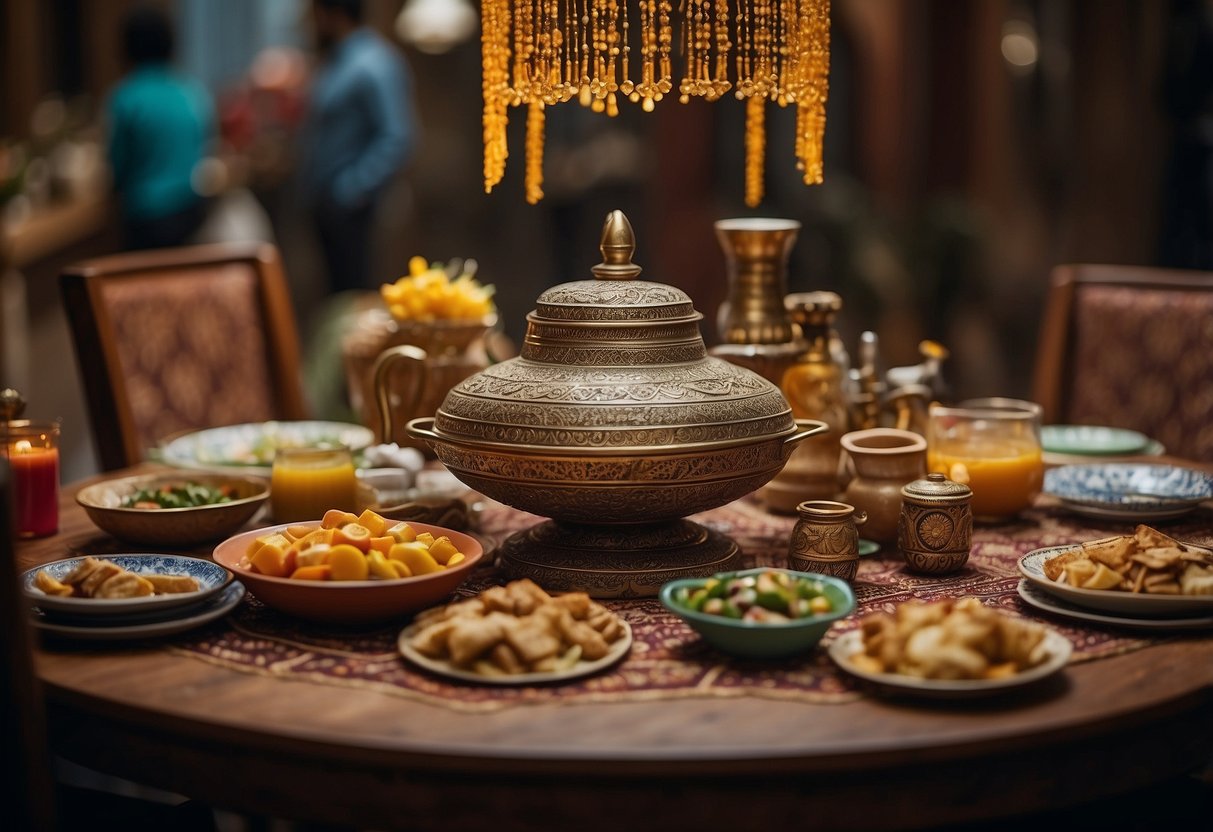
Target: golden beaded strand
540, 52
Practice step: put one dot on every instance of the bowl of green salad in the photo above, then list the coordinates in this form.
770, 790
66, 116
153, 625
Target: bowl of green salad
762, 613
174, 509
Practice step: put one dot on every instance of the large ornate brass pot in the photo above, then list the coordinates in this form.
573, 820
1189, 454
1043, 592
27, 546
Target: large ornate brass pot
616, 423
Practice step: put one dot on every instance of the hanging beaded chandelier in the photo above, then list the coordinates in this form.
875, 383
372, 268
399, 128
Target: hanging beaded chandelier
543, 52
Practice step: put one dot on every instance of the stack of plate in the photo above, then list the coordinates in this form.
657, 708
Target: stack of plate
105, 619
1137, 611
1132, 492
1066, 444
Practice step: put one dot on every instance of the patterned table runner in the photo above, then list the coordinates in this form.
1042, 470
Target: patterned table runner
667, 659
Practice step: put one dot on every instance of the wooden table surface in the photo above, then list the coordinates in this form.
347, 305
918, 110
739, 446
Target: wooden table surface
346, 755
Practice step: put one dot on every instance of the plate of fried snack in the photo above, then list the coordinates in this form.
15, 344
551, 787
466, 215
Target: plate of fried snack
950, 648
119, 585
516, 634
1145, 573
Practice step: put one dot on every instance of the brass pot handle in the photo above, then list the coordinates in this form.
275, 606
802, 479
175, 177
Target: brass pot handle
388, 359
860, 517
421, 428
805, 429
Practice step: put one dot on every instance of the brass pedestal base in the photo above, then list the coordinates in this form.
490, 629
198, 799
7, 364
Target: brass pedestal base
616, 561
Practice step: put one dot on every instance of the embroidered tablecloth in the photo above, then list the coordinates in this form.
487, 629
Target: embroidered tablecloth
667, 659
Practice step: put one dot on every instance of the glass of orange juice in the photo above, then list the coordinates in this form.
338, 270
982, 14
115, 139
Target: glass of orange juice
307, 482
993, 446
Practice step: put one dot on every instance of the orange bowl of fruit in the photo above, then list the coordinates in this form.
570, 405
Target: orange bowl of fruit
351, 569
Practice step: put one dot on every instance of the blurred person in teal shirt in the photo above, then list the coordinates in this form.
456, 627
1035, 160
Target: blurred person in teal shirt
160, 127
359, 132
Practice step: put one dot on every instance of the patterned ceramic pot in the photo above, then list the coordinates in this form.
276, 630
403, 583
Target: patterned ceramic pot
935, 531
825, 539
613, 412
885, 460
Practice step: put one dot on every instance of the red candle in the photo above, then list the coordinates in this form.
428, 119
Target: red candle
35, 476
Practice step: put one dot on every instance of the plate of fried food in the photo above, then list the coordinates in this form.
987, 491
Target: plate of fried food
120, 585
1147, 573
517, 634
1035, 597
950, 648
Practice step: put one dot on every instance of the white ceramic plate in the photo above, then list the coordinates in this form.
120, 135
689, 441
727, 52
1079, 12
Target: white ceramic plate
1031, 566
250, 448
172, 622
1092, 440
1057, 646
1044, 601
850, 643
211, 579
618, 649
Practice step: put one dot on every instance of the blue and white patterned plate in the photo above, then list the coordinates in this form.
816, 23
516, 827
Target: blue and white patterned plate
250, 448
1129, 491
211, 579
168, 622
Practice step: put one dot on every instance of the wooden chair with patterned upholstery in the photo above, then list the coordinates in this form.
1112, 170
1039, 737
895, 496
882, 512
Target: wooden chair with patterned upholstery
182, 339
1130, 347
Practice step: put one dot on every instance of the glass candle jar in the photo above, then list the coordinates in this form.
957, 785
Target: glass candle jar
993, 446
32, 450
307, 482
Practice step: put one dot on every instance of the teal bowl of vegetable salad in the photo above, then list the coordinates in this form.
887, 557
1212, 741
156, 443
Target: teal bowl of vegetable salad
762, 613
174, 509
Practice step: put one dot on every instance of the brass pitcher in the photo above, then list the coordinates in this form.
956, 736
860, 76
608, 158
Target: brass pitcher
409, 367
814, 388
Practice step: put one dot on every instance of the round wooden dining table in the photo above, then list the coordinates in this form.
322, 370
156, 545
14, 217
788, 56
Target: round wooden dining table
274, 744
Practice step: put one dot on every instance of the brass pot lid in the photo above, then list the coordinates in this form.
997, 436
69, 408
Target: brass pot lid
614, 363
936, 488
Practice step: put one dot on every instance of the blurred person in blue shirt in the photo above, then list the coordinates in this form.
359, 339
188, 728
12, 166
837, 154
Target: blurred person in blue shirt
359, 132
160, 126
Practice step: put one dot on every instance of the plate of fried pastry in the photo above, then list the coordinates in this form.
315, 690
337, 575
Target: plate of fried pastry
1147, 573
949, 648
517, 634
123, 584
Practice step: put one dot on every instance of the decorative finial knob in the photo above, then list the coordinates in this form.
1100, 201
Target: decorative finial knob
618, 245
12, 405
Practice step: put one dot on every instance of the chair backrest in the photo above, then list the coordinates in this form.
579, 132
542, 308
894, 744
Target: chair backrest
27, 794
1130, 347
182, 339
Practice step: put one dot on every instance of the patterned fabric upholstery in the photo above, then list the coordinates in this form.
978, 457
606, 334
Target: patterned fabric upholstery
192, 349
1143, 359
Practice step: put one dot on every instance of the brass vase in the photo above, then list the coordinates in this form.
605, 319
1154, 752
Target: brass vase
614, 422
754, 328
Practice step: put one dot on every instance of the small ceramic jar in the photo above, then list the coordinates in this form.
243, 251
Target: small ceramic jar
935, 530
825, 539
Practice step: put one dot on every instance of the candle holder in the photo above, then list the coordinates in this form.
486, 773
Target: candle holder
32, 451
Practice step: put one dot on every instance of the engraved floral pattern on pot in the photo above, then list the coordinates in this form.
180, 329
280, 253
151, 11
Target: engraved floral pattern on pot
632, 293
935, 530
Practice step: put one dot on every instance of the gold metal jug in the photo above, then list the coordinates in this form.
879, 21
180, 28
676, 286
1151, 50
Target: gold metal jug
414, 364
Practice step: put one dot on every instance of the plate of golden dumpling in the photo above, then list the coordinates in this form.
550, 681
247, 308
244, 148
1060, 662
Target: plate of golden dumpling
516, 634
1147, 573
949, 648
119, 585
